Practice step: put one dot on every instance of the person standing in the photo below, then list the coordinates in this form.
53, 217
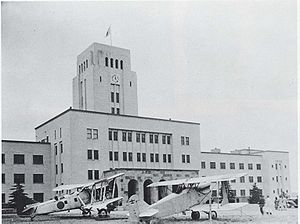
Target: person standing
261, 204
276, 203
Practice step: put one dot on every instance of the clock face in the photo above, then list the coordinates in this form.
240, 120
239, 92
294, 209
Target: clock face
115, 79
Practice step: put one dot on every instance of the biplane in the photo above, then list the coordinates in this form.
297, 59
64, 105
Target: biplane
192, 194
96, 197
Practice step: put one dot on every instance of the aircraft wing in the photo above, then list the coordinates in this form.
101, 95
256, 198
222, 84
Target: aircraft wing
103, 204
219, 207
196, 180
84, 185
148, 213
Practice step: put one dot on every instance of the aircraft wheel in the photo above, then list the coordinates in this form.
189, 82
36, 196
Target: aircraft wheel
102, 213
195, 215
214, 215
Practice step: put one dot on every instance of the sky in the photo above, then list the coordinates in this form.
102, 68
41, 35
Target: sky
229, 65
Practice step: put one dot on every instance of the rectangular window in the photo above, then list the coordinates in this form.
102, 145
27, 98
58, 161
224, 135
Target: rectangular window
124, 136
109, 135
250, 179
163, 139
213, 165
3, 198
222, 166
187, 140
233, 181
89, 154
96, 174
38, 178
124, 156
151, 138
3, 178
202, 165
19, 159
130, 156
168, 139
116, 156
110, 156
19, 178
54, 134
60, 132
169, 158
258, 166
164, 158
138, 157
37, 159
259, 179
117, 98
156, 157
115, 135
61, 167
95, 133
96, 155
250, 166
156, 139
241, 166
188, 159
56, 169
55, 147
39, 197
183, 158
89, 133
242, 179
61, 147
90, 174
144, 157
243, 193
112, 97
130, 136
143, 138
232, 166
3, 158
138, 137
112, 110
151, 157
118, 110
182, 140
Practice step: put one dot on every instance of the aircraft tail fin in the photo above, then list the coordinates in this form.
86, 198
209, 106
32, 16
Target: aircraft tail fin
135, 207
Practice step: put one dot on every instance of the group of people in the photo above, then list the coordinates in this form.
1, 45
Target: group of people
267, 206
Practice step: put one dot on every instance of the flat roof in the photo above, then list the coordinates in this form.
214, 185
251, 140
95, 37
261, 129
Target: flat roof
228, 153
152, 169
258, 150
109, 114
23, 141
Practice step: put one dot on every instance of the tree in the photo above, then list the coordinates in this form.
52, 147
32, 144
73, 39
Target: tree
230, 193
19, 198
255, 195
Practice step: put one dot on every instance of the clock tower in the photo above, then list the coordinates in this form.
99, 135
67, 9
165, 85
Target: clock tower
104, 81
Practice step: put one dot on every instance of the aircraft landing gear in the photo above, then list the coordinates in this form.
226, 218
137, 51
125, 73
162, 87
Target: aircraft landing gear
195, 215
102, 213
86, 212
214, 215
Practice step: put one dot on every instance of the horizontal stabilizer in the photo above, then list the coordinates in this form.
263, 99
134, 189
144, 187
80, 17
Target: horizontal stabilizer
148, 213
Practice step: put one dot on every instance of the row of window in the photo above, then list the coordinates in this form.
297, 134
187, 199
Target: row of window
278, 166
233, 192
140, 157
112, 64
90, 154
185, 158
20, 178
61, 168
91, 133
251, 179
39, 197
231, 165
185, 140
20, 159
60, 147
140, 137
277, 178
83, 66
115, 97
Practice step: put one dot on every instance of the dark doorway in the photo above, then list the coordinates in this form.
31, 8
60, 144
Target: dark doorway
162, 191
147, 191
132, 187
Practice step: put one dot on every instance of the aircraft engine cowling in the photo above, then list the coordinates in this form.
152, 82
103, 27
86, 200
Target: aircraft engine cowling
60, 205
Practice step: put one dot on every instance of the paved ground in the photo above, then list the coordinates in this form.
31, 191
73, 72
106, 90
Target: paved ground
249, 214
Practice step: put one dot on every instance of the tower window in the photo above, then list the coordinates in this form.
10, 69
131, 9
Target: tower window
112, 62
112, 96
118, 110
100, 78
106, 61
130, 84
79, 68
86, 63
121, 64
117, 63
117, 97
112, 110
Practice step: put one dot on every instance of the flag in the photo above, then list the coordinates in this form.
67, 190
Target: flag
108, 32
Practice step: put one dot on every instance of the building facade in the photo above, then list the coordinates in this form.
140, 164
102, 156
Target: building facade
27, 163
